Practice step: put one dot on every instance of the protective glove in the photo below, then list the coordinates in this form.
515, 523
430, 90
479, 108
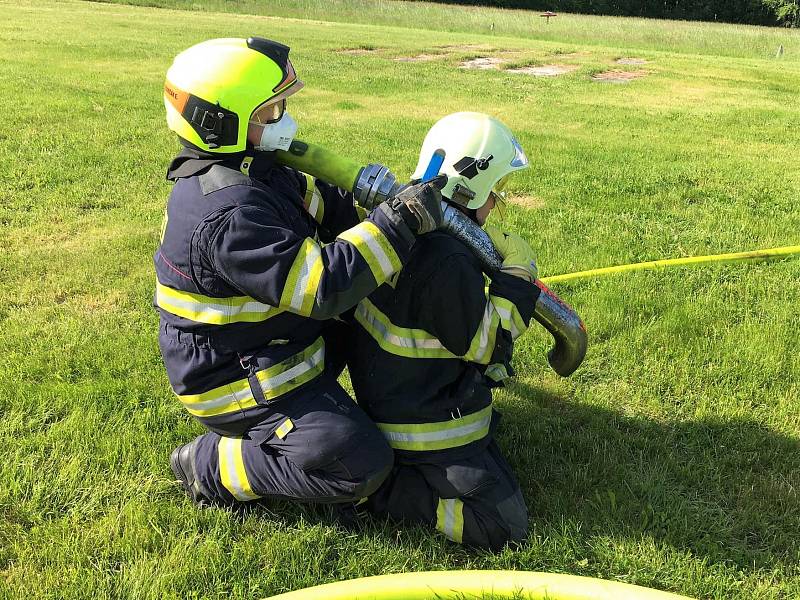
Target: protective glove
519, 258
420, 205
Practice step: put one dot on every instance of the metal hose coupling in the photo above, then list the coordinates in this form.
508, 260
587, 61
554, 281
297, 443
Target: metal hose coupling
375, 184
550, 311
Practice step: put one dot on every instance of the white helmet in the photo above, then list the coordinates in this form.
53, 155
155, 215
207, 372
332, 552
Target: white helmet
479, 155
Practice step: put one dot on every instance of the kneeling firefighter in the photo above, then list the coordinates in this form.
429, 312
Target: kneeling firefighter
247, 291
431, 342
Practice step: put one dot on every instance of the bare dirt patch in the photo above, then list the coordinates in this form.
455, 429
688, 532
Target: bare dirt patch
466, 47
544, 70
618, 76
357, 51
483, 62
630, 61
418, 58
531, 202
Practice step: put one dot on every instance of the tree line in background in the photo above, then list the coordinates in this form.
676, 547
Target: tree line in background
755, 12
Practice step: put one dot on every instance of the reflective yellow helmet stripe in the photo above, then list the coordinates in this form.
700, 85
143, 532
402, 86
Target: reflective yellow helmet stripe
212, 311
375, 248
275, 381
450, 518
424, 437
300, 289
232, 471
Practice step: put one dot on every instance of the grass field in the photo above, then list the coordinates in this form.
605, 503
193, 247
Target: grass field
671, 459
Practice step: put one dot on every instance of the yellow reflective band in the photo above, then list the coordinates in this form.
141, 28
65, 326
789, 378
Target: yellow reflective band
313, 200
423, 437
375, 248
450, 518
275, 381
300, 289
219, 401
402, 341
231, 469
284, 429
482, 345
294, 371
510, 319
212, 311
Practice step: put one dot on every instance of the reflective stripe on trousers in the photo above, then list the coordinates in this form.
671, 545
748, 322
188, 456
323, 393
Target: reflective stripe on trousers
232, 471
422, 437
274, 381
450, 518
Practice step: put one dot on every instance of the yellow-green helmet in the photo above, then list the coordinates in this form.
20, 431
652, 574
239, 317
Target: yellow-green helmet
480, 154
213, 88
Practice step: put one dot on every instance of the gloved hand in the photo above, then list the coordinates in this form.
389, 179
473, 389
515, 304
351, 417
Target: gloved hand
420, 205
518, 256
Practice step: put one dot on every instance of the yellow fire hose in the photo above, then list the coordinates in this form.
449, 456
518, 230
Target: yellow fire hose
478, 585
654, 265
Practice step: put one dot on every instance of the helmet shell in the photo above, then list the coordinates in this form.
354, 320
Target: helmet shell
227, 78
479, 151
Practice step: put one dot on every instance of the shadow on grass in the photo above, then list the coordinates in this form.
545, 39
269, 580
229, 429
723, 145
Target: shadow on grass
725, 490
722, 490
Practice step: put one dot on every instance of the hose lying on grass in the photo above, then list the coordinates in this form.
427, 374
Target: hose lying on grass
477, 585
654, 265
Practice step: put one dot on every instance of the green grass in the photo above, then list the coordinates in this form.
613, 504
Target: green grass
635, 33
671, 459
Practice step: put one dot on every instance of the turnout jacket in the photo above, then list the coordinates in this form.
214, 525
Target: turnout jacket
254, 259
431, 343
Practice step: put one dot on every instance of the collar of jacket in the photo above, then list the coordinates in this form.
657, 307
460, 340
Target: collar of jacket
192, 161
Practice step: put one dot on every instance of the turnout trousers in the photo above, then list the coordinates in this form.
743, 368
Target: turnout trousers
318, 447
474, 501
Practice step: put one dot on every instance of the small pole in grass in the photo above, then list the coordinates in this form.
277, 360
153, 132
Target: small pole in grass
780, 51
547, 15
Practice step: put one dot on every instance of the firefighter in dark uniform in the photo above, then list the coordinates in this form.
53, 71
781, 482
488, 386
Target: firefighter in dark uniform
255, 262
432, 341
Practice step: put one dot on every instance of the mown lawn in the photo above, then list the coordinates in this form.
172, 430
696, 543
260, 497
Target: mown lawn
671, 459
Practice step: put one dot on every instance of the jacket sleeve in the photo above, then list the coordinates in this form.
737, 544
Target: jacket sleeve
331, 207
256, 252
472, 322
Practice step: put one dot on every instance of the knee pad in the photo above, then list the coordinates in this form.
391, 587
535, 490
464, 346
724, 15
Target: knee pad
514, 514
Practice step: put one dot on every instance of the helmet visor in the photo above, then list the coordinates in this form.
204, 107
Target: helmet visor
269, 112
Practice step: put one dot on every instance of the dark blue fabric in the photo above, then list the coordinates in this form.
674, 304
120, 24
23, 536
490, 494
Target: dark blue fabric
494, 509
333, 454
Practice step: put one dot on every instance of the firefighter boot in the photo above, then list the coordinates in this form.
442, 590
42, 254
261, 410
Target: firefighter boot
182, 462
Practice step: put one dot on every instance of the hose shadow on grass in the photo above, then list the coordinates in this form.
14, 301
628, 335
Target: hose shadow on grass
725, 490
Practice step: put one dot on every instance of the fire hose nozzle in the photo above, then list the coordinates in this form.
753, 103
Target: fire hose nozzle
566, 327
374, 182
550, 311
